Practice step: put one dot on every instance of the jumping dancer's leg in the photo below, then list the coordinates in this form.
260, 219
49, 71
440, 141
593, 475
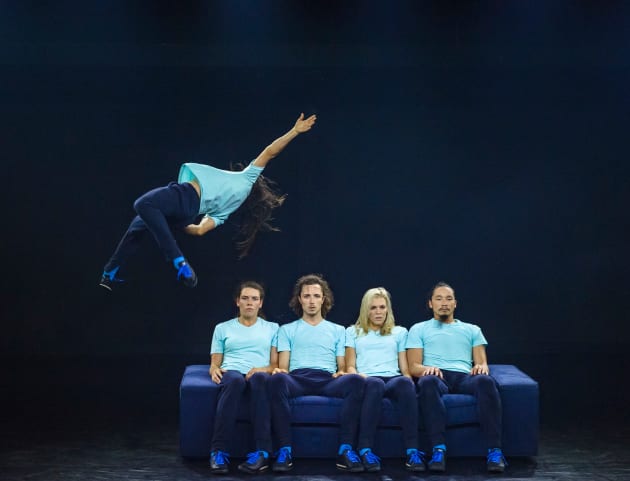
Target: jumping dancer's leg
127, 246
158, 210
166, 206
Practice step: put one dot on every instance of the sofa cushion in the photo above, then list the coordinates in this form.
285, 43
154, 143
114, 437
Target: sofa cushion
461, 409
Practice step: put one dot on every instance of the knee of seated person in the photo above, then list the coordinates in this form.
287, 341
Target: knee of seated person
484, 381
234, 378
259, 378
278, 380
356, 379
374, 384
403, 382
427, 382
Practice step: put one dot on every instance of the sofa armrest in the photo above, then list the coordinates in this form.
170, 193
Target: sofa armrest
519, 399
197, 405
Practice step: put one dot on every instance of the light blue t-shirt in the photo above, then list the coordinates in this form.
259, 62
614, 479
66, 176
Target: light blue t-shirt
314, 347
222, 191
377, 355
447, 346
244, 347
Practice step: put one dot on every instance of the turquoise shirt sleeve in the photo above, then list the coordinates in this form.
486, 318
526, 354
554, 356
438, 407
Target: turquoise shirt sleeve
217, 346
341, 342
274, 340
478, 338
401, 339
284, 338
414, 337
351, 337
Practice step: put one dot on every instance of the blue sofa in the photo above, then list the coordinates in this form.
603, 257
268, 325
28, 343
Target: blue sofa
315, 420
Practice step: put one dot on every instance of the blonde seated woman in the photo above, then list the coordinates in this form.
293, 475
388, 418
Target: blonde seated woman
375, 349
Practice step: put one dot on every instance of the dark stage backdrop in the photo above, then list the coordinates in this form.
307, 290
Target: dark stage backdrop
482, 144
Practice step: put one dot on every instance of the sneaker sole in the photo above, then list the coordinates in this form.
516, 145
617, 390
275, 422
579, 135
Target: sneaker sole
437, 469
105, 286
219, 471
415, 469
282, 469
245, 469
357, 469
188, 283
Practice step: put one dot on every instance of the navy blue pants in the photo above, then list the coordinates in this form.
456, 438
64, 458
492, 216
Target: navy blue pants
232, 388
160, 211
302, 382
402, 391
483, 387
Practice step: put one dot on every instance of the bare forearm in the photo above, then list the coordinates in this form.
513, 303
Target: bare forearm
416, 370
301, 125
206, 225
278, 145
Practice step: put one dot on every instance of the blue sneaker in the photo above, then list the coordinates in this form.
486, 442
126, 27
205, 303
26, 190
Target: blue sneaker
438, 461
257, 462
219, 461
496, 462
186, 275
350, 461
415, 461
108, 282
371, 462
284, 461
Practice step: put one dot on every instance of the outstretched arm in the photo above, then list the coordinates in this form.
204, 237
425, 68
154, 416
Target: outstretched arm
301, 125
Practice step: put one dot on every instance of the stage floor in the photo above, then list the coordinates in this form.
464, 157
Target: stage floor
137, 452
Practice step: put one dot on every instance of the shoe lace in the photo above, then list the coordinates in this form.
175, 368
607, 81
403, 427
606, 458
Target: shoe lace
416, 457
185, 271
354, 457
253, 457
283, 455
109, 278
221, 457
496, 456
370, 457
438, 456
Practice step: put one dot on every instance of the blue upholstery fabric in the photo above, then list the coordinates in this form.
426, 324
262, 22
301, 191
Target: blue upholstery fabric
315, 420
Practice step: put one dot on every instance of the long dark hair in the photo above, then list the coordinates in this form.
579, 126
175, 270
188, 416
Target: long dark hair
255, 212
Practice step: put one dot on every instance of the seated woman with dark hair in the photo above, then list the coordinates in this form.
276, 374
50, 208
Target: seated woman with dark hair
242, 357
